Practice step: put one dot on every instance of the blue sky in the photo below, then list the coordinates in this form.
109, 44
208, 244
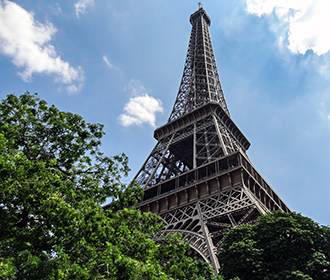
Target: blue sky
111, 61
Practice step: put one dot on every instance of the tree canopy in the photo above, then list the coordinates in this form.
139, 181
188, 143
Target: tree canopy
53, 179
279, 246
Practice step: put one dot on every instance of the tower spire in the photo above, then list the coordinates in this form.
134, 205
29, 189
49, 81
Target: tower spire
200, 82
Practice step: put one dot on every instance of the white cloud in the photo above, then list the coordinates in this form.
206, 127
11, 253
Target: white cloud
304, 23
140, 109
27, 42
81, 6
107, 62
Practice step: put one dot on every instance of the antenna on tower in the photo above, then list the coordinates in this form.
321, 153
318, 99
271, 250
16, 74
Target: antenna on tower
200, 6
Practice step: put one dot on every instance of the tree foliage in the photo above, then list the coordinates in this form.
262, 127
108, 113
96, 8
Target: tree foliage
279, 246
53, 179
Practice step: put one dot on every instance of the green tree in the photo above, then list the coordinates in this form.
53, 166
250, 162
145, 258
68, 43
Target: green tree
53, 179
279, 246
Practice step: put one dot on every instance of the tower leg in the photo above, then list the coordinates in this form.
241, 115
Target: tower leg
209, 242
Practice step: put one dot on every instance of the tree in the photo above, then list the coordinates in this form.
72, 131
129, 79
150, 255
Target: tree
279, 246
53, 179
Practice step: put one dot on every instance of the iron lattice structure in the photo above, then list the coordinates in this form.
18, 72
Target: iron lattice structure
198, 177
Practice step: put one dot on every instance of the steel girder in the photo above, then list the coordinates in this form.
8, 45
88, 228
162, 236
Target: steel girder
195, 240
198, 221
214, 206
187, 148
200, 82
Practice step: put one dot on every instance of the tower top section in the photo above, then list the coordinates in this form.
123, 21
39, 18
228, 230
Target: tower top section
200, 82
200, 13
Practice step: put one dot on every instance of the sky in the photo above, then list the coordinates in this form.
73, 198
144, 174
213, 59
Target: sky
120, 63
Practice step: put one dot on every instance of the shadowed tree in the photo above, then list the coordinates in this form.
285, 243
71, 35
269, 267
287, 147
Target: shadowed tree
278, 246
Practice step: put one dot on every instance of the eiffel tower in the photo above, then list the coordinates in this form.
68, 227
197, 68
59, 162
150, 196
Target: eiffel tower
198, 177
